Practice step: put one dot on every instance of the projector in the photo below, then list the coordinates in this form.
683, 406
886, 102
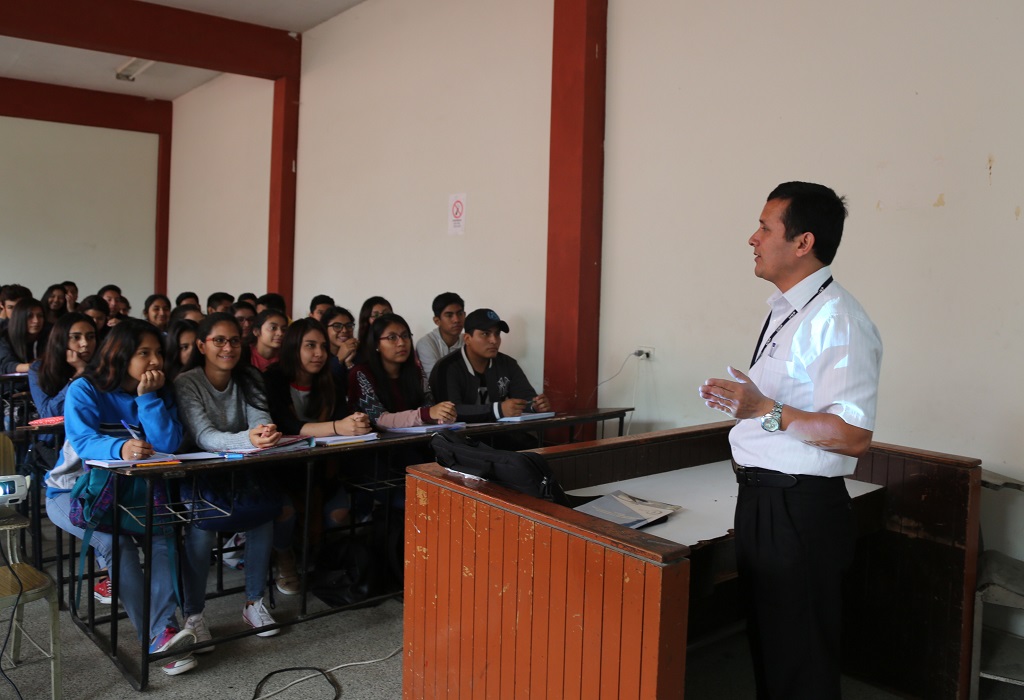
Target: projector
13, 489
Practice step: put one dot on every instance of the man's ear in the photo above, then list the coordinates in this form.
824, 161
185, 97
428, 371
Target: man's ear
437, 321
805, 244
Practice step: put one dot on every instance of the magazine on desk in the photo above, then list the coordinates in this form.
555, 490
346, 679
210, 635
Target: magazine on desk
631, 511
343, 439
288, 443
428, 428
526, 416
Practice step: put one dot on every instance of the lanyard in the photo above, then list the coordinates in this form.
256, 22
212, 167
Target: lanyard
757, 355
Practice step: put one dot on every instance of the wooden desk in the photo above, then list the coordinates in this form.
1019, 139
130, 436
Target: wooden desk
908, 603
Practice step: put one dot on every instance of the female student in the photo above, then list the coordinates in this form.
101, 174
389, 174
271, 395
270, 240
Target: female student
223, 407
268, 328
56, 302
340, 326
390, 387
157, 310
179, 343
245, 314
304, 400
69, 348
24, 338
124, 382
372, 309
96, 308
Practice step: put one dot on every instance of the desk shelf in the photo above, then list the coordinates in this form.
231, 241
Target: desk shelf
1002, 656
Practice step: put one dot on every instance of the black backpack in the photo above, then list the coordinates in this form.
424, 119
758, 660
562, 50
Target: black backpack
526, 472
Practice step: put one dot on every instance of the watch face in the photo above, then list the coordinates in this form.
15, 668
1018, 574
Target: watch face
770, 423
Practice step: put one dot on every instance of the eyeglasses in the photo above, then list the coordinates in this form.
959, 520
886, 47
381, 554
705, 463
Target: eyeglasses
394, 337
338, 326
220, 341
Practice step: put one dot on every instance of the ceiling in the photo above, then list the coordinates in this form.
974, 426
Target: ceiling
63, 65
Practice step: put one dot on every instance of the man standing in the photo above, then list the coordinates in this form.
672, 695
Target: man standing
483, 383
449, 315
805, 413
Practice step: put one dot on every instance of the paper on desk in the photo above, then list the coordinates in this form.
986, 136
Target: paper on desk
526, 417
110, 463
631, 511
428, 428
288, 443
340, 439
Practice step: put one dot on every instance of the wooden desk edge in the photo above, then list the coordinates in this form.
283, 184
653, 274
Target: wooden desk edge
654, 549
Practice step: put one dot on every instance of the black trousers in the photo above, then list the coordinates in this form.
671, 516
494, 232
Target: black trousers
793, 546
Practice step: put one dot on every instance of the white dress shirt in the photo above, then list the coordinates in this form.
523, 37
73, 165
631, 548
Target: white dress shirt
826, 359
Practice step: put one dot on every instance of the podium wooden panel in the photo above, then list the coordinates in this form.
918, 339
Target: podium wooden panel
510, 597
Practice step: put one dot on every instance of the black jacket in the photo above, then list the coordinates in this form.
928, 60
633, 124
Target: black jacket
451, 380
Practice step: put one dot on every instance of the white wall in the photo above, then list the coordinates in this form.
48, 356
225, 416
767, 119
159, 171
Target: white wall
77, 203
404, 104
220, 188
904, 107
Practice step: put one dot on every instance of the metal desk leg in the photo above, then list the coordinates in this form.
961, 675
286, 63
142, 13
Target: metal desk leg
304, 559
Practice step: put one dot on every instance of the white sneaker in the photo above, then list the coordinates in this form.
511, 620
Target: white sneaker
197, 623
256, 616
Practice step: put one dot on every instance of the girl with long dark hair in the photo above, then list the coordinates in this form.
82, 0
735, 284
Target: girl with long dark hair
179, 344
69, 348
124, 381
24, 338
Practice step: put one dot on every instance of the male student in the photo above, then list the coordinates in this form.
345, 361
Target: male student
806, 412
483, 383
319, 304
449, 315
187, 298
219, 302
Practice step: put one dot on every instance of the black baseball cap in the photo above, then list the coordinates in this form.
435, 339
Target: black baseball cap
481, 320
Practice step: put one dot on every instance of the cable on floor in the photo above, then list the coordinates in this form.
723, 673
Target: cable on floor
319, 672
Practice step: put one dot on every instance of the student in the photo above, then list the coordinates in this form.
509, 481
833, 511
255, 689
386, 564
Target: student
124, 307
485, 384
390, 387
71, 294
125, 382
268, 328
24, 338
223, 407
304, 400
248, 298
270, 300
340, 326
320, 304
56, 303
219, 302
97, 309
10, 295
157, 310
244, 313
110, 293
449, 315
372, 309
179, 343
190, 311
69, 348
186, 298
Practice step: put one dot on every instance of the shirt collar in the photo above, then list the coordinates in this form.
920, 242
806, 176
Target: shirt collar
802, 292
469, 365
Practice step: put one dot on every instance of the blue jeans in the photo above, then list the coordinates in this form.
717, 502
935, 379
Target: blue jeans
198, 547
163, 601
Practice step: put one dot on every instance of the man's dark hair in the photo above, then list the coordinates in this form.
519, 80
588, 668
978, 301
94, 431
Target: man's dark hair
108, 288
318, 300
444, 300
247, 296
813, 208
180, 311
180, 299
14, 292
272, 300
218, 298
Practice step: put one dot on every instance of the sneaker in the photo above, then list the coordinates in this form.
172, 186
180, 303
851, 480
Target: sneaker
255, 615
101, 591
286, 577
171, 639
197, 623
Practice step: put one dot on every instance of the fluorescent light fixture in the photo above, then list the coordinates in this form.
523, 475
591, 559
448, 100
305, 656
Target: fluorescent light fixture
132, 69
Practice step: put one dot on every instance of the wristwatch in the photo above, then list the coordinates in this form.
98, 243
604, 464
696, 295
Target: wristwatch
772, 421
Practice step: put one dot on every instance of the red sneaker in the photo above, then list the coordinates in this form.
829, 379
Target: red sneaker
101, 591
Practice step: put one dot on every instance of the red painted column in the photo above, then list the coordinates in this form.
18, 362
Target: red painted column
283, 167
575, 202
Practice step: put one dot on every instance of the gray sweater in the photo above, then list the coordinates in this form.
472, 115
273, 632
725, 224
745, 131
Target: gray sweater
215, 420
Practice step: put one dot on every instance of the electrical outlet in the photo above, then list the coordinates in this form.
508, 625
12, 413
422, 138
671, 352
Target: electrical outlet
645, 352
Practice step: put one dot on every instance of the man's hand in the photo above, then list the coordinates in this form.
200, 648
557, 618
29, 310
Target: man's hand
510, 408
740, 398
541, 404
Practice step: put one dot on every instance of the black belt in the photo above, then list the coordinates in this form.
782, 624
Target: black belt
756, 476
